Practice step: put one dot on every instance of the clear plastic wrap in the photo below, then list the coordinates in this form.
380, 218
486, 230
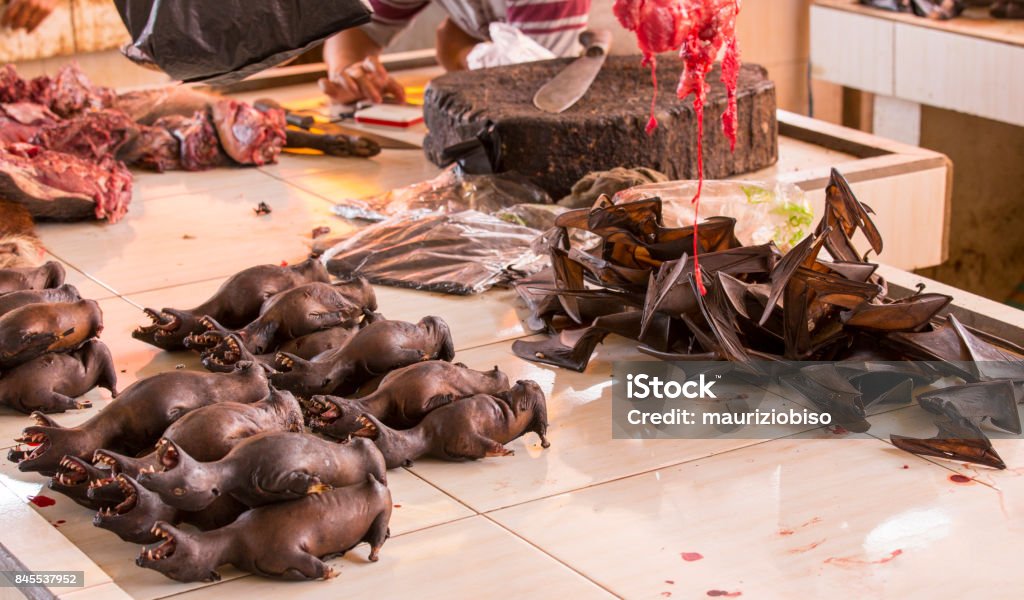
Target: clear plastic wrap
460, 253
453, 190
763, 211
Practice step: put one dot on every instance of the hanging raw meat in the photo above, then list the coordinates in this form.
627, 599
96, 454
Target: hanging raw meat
698, 29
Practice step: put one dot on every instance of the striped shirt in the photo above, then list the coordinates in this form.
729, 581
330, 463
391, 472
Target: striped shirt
554, 24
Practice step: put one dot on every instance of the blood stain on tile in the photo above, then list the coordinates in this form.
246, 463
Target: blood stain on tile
851, 561
724, 594
806, 548
961, 479
42, 501
691, 556
788, 531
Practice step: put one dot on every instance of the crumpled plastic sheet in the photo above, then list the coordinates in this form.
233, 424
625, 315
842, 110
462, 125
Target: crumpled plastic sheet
453, 190
507, 46
223, 42
763, 211
460, 253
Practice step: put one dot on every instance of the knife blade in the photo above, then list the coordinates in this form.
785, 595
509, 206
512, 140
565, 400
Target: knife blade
572, 83
381, 140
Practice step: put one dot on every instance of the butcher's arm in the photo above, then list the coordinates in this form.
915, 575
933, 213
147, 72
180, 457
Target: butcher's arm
453, 46
347, 48
354, 70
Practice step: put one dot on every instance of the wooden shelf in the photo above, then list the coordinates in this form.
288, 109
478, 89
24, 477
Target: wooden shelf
970, 64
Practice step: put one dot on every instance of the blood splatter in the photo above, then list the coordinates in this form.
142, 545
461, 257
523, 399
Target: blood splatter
724, 594
839, 430
42, 501
698, 29
961, 479
398, 506
284, 263
666, 594
806, 548
801, 526
906, 466
691, 556
844, 561
670, 581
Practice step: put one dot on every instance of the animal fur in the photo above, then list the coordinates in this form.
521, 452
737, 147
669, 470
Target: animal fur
19, 246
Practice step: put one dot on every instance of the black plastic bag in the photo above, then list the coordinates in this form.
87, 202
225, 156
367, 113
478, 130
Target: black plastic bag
224, 42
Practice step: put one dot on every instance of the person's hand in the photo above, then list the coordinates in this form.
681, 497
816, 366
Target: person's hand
26, 14
364, 80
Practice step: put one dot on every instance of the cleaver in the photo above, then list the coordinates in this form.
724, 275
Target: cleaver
569, 85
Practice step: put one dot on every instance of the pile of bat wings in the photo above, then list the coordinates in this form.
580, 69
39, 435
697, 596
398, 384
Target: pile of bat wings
227, 467
770, 313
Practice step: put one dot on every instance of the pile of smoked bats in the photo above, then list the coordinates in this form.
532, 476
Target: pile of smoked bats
277, 458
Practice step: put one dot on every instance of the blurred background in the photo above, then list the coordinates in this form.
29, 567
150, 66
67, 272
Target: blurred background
986, 244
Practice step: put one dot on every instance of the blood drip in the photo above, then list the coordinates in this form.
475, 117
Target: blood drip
42, 501
698, 29
692, 556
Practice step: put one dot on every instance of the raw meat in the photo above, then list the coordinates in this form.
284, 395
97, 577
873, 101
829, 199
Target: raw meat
82, 135
153, 148
58, 186
92, 135
199, 147
12, 87
70, 92
249, 136
67, 93
20, 121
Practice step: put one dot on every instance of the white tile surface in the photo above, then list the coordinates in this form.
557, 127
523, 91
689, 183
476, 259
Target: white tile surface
786, 519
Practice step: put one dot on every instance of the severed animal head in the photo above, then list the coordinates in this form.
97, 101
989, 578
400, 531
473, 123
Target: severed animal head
179, 555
